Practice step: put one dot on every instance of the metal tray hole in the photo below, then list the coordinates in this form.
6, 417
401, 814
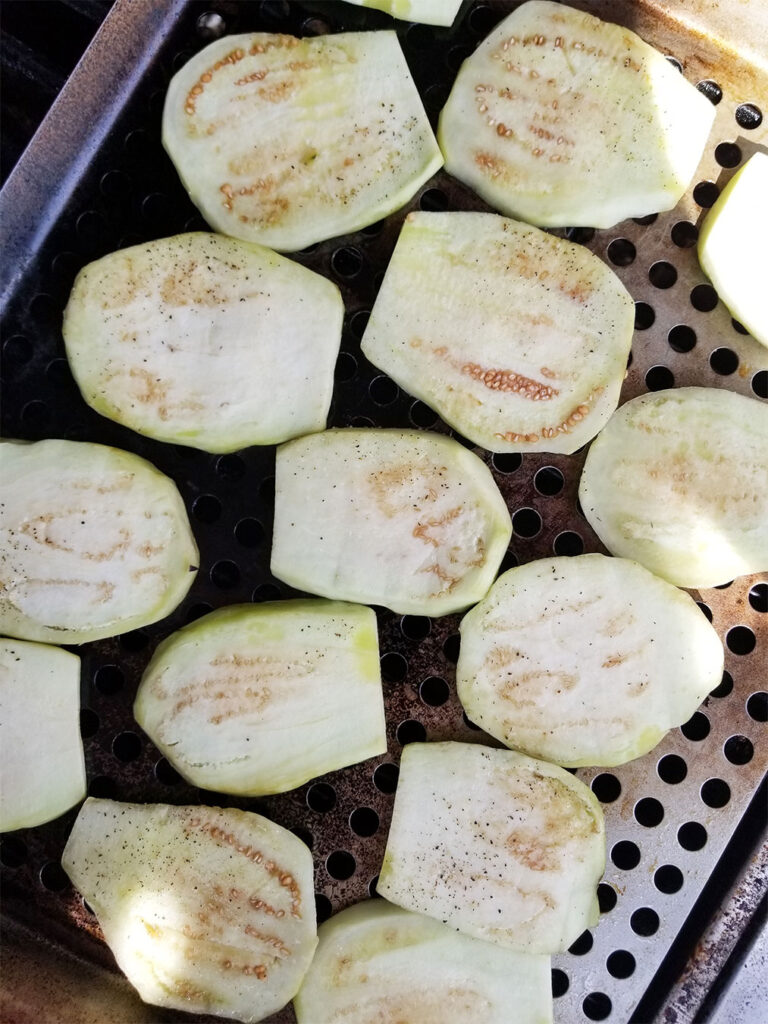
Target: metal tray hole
662, 274
681, 338
675, 62
606, 787
358, 322
526, 522
415, 627
225, 574
481, 19
644, 922
266, 592
411, 731
58, 373
385, 777
383, 390
548, 480
706, 610
36, 416
672, 769
739, 328
372, 888
134, 641
625, 855
13, 852
340, 865
323, 907
434, 200
88, 908
321, 797
649, 812
621, 964
704, 298
711, 90
740, 640
657, 378
420, 38
649, 218
89, 723
758, 597
724, 361
606, 897
696, 728
16, 351
451, 647
165, 773
108, 679
422, 416
668, 879
316, 27
684, 234
304, 835
393, 667
207, 508
509, 561
434, 691
470, 724
748, 116
738, 750
597, 1006
705, 194
692, 836
507, 462
582, 236
760, 383
230, 467
126, 746
568, 543
346, 368
644, 316
728, 154
622, 252
249, 533
456, 57
560, 982
53, 877
364, 821
347, 262
757, 706
103, 787
715, 792
724, 687
583, 944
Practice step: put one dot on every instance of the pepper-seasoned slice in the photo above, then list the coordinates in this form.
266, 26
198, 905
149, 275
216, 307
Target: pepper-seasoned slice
586, 660
205, 341
41, 752
400, 518
256, 700
559, 118
517, 338
206, 910
287, 141
94, 541
495, 844
376, 962
677, 480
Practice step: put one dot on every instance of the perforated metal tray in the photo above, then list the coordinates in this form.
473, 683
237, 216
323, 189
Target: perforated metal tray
95, 179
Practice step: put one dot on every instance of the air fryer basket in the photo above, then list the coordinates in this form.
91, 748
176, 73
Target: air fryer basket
669, 814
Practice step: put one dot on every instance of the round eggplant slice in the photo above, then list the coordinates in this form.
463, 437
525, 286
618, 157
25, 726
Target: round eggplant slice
495, 844
255, 700
401, 518
517, 338
586, 660
41, 752
205, 341
206, 910
427, 12
677, 481
732, 245
94, 541
287, 141
559, 118
376, 962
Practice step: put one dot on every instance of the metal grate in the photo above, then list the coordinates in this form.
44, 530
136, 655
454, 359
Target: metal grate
670, 814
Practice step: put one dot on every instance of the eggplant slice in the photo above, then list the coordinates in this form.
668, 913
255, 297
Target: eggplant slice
287, 141
559, 118
401, 518
678, 480
517, 338
255, 700
586, 660
427, 12
205, 341
94, 541
206, 910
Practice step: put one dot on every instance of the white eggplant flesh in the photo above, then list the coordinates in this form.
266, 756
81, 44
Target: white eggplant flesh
517, 338
41, 752
94, 541
205, 341
259, 699
287, 141
732, 246
496, 844
206, 910
427, 12
678, 481
585, 661
376, 962
401, 518
559, 118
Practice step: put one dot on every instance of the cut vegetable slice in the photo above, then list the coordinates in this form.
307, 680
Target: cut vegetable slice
256, 700
518, 339
732, 246
376, 963
586, 660
678, 480
560, 119
41, 753
495, 844
401, 518
288, 141
94, 541
428, 12
205, 341
205, 910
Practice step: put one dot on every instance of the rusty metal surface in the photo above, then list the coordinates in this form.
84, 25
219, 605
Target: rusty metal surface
123, 190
